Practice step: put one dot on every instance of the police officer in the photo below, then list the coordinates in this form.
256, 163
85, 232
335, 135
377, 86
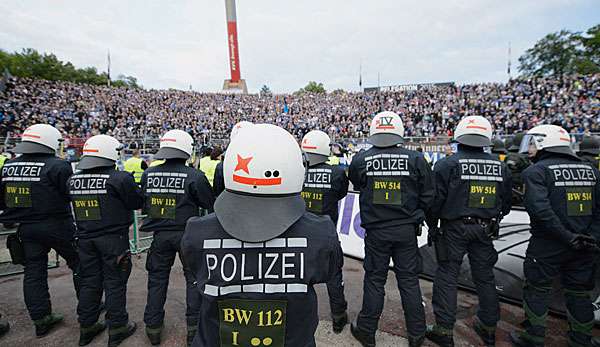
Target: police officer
35, 192
517, 162
561, 198
258, 256
173, 192
208, 164
3, 159
103, 201
498, 149
473, 192
219, 181
136, 166
589, 150
324, 186
396, 187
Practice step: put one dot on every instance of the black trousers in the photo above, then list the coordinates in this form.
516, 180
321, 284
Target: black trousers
335, 289
407, 265
464, 239
38, 240
545, 261
160, 259
105, 264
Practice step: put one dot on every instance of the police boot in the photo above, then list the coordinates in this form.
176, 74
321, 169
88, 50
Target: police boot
365, 339
44, 325
153, 334
521, 340
339, 321
4, 326
191, 333
440, 336
117, 335
487, 334
87, 334
416, 341
596, 341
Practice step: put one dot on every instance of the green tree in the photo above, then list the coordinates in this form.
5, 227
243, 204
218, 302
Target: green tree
588, 61
30, 63
313, 87
126, 81
552, 55
563, 52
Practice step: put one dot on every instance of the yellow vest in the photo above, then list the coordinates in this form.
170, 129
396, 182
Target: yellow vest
333, 160
3, 158
156, 162
208, 166
134, 165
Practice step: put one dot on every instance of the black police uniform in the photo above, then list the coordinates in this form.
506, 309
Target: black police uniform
594, 160
35, 195
473, 191
260, 294
103, 200
396, 187
173, 192
324, 186
562, 199
219, 180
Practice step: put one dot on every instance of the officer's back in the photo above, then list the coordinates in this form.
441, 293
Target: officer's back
561, 195
569, 186
257, 258
324, 186
238, 276
103, 200
173, 193
32, 188
479, 185
393, 184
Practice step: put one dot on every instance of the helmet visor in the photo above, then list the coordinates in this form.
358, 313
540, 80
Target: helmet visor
531, 142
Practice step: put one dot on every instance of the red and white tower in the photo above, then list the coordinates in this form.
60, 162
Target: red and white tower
236, 84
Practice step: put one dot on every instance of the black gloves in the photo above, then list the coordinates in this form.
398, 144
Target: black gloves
582, 242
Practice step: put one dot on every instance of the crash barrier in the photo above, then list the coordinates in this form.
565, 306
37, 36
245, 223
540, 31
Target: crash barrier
139, 243
7, 268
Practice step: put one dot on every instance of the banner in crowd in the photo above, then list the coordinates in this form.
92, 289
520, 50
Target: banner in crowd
408, 87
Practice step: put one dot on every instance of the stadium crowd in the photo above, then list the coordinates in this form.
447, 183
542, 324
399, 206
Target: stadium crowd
81, 111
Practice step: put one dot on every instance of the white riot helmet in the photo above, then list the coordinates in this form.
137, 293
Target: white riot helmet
99, 151
550, 138
316, 144
474, 131
386, 130
238, 127
175, 144
39, 138
264, 175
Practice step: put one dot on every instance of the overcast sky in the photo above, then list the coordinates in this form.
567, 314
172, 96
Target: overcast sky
284, 44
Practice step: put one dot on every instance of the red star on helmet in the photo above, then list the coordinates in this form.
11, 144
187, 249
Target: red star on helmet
471, 121
242, 164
